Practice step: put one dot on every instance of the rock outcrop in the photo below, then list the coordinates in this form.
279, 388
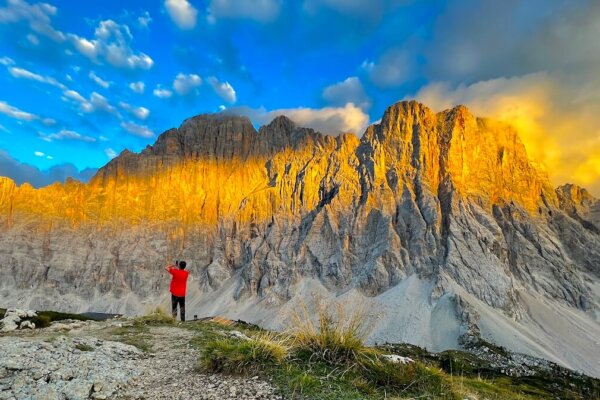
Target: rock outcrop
438, 223
17, 319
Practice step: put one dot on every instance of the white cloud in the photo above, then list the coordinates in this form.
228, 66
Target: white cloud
258, 10
110, 153
144, 19
23, 73
162, 93
111, 44
182, 13
185, 84
68, 135
349, 90
137, 130
99, 103
98, 80
138, 112
50, 157
26, 74
38, 154
392, 69
328, 120
96, 102
33, 39
73, 95
15, 113
7, 61
223, 89
137, 87
141, 112
37, 16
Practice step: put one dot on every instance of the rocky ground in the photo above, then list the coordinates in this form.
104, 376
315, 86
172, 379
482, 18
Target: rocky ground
109, 360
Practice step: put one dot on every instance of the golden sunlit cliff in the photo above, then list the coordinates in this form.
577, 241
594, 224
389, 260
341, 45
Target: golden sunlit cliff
218, 166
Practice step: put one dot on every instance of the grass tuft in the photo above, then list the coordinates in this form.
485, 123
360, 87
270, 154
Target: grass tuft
155, 318
410, 379
237, 356
336, 337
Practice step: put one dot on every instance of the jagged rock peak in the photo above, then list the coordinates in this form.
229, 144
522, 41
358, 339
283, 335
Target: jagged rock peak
281, 123
576, 194
579, 204
220, 119
404, 109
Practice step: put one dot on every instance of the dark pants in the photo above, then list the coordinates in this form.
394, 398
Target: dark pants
174, 302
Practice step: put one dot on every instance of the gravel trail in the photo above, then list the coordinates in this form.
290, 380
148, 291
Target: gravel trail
171, 373
93, 360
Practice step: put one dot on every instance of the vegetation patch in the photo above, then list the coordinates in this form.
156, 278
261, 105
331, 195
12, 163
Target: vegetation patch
476, 374
133, 336
325, 358
237, 356
83, 347
157, 317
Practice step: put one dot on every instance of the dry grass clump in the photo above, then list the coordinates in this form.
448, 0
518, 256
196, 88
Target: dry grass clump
334, 336
236, 356
156, 317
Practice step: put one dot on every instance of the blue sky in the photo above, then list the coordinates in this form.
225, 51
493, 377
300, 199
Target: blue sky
81, 81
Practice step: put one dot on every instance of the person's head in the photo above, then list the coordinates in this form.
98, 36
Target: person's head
182, 264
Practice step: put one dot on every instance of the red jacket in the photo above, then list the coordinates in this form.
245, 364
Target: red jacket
179, 281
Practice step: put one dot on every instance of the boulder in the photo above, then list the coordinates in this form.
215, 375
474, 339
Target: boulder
27, 325
20, 313
13, 318
9, 323
396, 359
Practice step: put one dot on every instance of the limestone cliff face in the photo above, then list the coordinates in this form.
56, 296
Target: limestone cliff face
448, 199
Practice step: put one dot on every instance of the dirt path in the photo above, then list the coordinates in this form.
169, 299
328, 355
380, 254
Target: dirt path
170, 372
83, 361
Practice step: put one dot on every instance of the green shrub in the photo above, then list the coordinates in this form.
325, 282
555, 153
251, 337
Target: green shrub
59, 316
41, 321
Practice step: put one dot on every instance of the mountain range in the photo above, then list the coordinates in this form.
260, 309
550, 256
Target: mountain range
436, 225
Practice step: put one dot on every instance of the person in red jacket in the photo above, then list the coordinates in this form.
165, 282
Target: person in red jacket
178, 287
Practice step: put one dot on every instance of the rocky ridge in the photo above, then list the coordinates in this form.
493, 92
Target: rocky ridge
439, 219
